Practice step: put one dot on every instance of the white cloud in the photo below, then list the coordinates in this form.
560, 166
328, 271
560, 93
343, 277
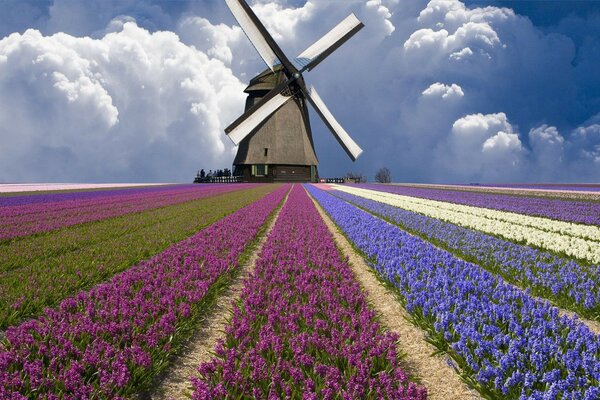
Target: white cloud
480, 125
547, 153
502, 142
544, 136
215, 40
438, 89
482, 147
585, 140
427, 42
281, 21
131, 105
384, 13
453, 13
462, 54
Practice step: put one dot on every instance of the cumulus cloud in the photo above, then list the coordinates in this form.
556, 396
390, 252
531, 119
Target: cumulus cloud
586, 142
455, 32
131, 105
548, 153
557, 157
482, 147
281, 21
214, 40
438, 90
444, 91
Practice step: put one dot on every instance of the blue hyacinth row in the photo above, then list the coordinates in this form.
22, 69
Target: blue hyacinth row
507, 344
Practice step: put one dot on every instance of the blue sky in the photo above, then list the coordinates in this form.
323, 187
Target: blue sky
443, 90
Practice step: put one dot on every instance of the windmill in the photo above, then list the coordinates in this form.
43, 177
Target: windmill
273, 134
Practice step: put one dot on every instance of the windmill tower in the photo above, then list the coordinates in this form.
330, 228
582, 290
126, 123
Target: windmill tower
274, 136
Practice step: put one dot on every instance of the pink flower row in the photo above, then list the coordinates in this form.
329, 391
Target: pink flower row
105, 342
303, 328
26, 219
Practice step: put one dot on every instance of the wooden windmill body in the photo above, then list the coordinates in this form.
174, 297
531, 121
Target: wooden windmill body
274, 136
281, 148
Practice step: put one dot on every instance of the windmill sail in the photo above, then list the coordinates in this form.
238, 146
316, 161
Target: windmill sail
259, 36
333, 39
349, 145
252, 118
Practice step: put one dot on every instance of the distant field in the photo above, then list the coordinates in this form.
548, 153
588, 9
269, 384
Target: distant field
44, 187
110, 290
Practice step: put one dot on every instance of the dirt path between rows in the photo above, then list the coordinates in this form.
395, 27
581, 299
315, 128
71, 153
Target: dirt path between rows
176, 383
442, 382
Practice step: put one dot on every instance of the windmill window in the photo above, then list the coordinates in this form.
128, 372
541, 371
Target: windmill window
266, 151
259, 169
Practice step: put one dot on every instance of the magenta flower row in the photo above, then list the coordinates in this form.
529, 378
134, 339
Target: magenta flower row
302, 328
102, 343
26, 219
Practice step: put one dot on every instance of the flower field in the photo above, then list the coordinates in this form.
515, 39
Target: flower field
303, 326
102, 289
24, 215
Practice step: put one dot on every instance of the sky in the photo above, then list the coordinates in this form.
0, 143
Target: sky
438, 91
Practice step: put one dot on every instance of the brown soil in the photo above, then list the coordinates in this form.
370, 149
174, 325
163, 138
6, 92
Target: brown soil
433, 371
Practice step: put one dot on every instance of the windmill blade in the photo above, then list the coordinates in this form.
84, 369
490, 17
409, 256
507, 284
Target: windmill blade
259, 36
333, 39
349, 145
245, 124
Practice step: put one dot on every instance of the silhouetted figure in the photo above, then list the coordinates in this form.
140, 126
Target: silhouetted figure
202, 173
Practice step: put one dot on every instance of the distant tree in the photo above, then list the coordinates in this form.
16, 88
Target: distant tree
383, 175
356, 177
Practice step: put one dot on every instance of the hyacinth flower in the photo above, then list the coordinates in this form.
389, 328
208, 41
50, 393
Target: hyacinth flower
110, 341
506, 344
567, 283
302, 327
584, 212
565, 238
20, 218
41, 270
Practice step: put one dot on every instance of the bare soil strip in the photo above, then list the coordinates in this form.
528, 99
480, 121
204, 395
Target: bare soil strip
593, 325
441, 380
176, 383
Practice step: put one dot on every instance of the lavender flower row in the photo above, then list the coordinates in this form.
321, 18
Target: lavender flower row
27, 219
563, 210
303, 327
53, 197
106, 342
587, 187
567, 283
507, 344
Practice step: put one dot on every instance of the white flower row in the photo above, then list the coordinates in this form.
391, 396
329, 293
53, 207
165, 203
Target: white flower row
590, 232
536, 231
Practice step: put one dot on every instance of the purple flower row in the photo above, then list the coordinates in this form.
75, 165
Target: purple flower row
106, 342
570, 285
507, 344
53, 197
303, 328
584, 212
589, 187
27, 219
